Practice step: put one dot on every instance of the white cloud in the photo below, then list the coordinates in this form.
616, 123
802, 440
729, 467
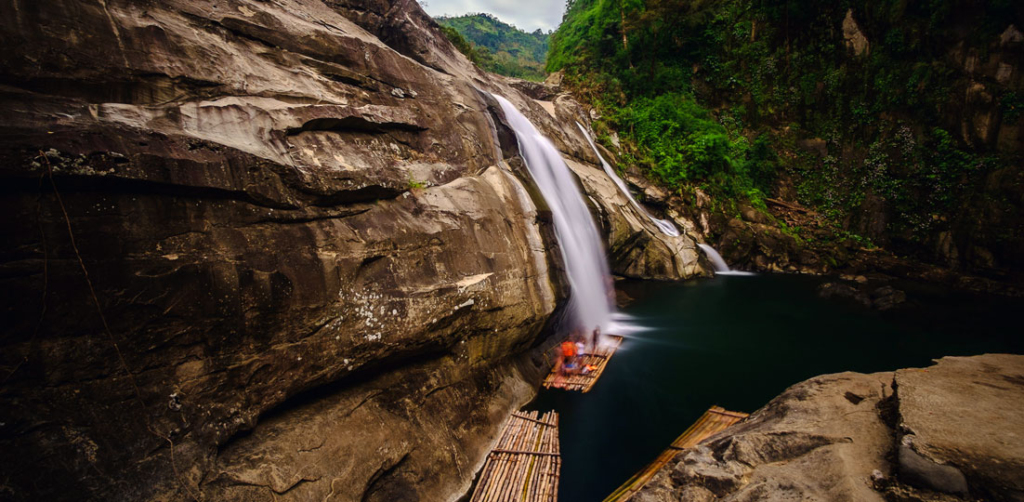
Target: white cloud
526, 15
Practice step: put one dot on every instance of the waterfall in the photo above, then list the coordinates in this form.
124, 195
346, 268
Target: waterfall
587, 269
721, 268
665, 226
716, 259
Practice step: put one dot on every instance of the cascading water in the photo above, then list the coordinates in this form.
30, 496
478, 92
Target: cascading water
665, 226
716, 259
587, 269
721, 268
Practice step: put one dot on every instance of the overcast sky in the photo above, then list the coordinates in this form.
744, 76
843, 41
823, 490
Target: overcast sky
527, 15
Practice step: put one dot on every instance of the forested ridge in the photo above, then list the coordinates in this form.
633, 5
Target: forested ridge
496, 46
899, 122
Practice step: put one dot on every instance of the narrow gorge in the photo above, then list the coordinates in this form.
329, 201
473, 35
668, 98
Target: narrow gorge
308, 250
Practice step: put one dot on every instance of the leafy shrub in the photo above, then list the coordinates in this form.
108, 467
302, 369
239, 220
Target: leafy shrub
681, 142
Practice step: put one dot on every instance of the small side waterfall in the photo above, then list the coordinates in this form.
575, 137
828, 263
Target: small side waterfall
716, 259
721, 268
586, 266
665, 226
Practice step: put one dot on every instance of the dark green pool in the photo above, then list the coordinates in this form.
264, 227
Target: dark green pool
738, 342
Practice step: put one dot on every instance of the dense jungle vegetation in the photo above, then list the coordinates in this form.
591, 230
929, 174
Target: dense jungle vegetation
498, 47
742, 97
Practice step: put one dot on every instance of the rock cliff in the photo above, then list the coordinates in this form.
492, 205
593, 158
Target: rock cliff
948, 432
261, 250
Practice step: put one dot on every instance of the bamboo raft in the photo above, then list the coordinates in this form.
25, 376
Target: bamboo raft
712, 422
524, 465
582, 382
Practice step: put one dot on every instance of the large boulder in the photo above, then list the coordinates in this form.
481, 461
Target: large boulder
819, 440
945, 433
961, 424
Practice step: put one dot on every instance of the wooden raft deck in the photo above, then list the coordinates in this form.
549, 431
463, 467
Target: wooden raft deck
524, 465
586, 382
712, 422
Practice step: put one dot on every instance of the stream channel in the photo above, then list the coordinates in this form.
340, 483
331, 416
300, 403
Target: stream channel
738, 342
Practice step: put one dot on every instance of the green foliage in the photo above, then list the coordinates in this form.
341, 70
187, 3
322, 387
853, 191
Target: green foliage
682, 142
498, 47
762, 163
1012, 106
462, 44
718, 94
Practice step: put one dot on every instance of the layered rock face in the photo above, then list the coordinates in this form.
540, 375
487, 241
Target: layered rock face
948, 432
259, 250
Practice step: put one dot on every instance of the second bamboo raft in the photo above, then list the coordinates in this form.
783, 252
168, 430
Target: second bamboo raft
584, 382
712, 422
525, 464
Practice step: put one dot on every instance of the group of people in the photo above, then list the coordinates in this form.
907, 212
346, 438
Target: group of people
573, 349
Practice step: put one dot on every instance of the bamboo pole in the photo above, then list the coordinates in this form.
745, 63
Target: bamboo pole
531, 460
720, 411
552, 484
537, 484
510, 481
503, 463
526, 417
537, 478
551, 469
511, 462
527, 463
537, 481
525, 452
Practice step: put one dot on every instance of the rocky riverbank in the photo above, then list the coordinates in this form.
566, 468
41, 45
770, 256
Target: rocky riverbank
948, 432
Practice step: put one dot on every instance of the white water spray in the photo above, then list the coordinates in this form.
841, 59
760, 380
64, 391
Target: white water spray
665, 226
716, 259
721, 268
586, 267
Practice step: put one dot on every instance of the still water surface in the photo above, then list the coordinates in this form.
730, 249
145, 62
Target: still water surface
738, 342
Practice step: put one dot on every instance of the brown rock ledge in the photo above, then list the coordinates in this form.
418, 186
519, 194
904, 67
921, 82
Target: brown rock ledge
948, 432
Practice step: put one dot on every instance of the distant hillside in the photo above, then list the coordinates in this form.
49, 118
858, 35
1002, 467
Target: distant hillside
499, 47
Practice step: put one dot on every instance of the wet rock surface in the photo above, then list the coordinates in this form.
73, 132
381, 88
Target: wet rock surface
310, 272
636, 248
266, 250
944, 433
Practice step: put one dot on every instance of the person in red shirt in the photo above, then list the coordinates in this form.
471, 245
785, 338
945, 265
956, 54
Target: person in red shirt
569, 354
